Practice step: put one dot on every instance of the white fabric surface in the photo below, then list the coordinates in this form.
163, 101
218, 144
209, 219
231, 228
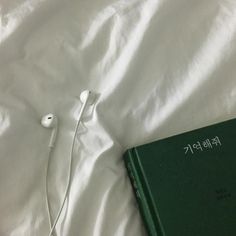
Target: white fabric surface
158, 67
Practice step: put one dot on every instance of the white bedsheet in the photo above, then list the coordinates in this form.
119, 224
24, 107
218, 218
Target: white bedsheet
158, 67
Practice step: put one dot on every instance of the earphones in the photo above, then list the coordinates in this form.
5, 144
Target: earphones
87, 98
51, 121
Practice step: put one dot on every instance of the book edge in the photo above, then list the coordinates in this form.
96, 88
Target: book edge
143, 203
150, 201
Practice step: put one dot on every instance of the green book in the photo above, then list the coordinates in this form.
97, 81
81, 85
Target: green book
185, 185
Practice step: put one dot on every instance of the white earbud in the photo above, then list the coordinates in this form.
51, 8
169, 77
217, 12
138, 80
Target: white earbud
86, 97
50, 121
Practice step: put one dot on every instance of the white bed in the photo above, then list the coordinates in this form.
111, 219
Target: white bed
158, 68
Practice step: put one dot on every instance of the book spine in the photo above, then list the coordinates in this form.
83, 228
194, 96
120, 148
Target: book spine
142, 201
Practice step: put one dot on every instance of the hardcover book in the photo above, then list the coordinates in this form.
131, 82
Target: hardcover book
185, 185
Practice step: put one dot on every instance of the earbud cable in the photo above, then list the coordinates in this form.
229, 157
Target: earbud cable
69, 175
46, 189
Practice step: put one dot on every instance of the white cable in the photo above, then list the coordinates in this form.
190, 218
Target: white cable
70, 167
49, 121
46, 189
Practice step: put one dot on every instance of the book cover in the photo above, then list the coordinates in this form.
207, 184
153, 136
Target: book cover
185, 185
